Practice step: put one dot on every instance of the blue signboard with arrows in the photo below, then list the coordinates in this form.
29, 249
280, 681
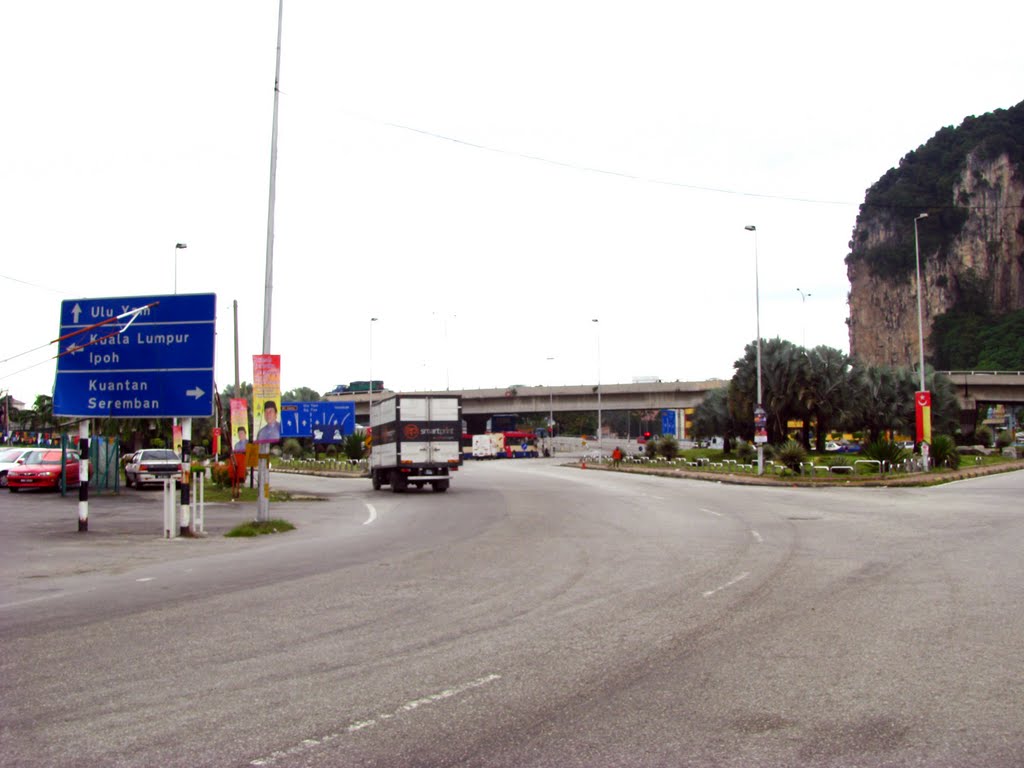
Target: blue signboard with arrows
298, 419
136, 357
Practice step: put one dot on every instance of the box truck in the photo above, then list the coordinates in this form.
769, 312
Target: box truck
415, 441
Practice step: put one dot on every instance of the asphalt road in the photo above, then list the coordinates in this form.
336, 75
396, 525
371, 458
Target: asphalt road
534, 615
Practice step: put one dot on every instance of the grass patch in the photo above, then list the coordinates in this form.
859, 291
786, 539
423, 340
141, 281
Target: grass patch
216, 493
255, 528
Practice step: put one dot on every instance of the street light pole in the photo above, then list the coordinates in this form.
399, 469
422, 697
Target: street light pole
757, 308
177, 247
920, 322
924, 414
263, 503
596, 320
369, 408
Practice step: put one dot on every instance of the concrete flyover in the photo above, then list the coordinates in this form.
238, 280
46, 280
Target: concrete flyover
580, 397
977, 388
974, 389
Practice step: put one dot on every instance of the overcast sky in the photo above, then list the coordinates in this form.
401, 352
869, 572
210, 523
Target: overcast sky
483, 178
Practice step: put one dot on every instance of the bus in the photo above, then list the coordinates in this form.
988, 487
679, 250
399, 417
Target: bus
511, 444
519, 444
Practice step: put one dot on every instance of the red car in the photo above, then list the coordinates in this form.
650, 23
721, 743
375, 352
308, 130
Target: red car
41, 469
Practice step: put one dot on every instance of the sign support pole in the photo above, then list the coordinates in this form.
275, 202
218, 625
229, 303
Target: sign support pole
186, 472
83, 488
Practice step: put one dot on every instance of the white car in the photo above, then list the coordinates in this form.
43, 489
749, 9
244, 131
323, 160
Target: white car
12, 457
151, 466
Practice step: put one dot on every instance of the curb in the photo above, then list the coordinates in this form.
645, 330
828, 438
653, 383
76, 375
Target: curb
935, 477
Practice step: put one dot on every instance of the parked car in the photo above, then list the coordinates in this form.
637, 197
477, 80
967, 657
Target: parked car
152, 466
833, 447
41, 468
10, 458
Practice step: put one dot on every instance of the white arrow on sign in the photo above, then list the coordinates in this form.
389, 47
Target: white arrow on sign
195, 392
74, 349
76, 311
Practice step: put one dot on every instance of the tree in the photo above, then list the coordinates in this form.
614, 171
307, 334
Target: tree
783, 369
878, 401
712, 417
827, 389
42, 413
300, 394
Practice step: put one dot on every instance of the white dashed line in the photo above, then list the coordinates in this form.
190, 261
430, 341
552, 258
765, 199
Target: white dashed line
307, 745
711, 512
734, 582
756, 535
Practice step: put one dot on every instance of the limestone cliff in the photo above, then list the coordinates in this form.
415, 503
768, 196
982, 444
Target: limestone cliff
970, 182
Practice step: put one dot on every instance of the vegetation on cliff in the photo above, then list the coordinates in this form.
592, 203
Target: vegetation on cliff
924, 182
966, 340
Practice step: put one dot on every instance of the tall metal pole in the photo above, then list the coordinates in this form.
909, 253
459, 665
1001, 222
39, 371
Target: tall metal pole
268, 288
369, 408
926, 416
597, 320
920, 322
757, 308
263, 508
238, 386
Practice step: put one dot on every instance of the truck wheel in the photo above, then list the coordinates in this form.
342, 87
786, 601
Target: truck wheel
439, 486
376, 480
398, 482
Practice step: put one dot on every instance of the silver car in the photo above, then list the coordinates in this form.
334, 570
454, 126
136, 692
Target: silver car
152, 466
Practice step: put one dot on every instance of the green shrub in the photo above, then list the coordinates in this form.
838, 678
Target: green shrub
291, 448
1004, 439
791, 454
668, 447
354, 446
943, 452
889, 453
745, 452
983, 436
651, 448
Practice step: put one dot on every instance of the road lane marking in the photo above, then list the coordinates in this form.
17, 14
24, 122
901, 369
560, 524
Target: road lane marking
28, 600
147, 578
711, 512
309, 744
373, 515
756, 535
732, 583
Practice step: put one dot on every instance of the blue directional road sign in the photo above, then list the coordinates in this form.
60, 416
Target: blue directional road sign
668, 422
116, 362
298, 419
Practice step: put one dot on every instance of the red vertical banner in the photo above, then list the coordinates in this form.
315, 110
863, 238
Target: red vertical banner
923, 407
215, 447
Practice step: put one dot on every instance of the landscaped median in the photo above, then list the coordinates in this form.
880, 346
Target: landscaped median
743, 474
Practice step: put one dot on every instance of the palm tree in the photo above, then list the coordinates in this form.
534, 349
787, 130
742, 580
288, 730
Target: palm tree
42, 413
827, 389
881, 400
782, 373
712, 417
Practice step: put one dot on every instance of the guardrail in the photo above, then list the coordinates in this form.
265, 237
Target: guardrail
981, 373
